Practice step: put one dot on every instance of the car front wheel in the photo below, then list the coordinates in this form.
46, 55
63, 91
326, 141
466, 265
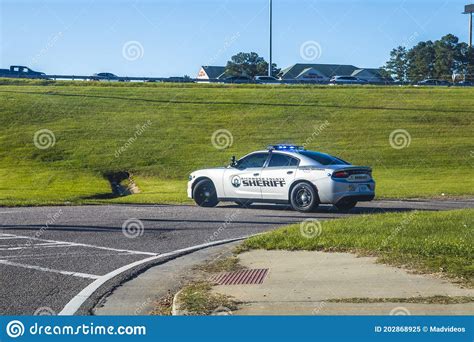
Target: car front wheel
205, 194
304, 198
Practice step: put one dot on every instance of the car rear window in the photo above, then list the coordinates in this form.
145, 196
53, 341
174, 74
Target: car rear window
323, 159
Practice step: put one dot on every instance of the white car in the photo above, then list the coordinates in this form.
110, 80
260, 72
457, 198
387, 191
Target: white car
284, 174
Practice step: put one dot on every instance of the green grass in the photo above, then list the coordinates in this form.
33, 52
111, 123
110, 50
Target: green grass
92, 121
424, 241
198, 299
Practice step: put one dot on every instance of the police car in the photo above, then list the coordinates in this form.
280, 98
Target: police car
284, 174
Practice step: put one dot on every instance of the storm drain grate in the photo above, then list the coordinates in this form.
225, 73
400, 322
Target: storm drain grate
242, 277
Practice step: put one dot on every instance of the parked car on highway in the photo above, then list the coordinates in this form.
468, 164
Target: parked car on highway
346, 80
105, 76
238, 79
433, 82
266, 80
464, 84
285, 174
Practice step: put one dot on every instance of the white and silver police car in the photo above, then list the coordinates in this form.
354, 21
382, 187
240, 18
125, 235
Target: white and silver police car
285, 174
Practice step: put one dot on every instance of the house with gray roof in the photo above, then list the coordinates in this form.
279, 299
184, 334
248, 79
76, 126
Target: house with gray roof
211, 72
324, 72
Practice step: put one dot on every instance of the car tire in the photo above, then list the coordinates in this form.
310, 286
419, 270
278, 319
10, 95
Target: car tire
204, 193
345, 205
304, 198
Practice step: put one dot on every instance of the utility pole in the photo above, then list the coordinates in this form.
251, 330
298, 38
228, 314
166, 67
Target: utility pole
469, 9
270, 22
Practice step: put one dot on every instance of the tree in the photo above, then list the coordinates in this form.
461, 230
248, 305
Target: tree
420, 61
448, 57
248, 64
397, 64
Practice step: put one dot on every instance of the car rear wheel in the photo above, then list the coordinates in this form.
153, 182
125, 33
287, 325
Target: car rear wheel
205, 194
304, 198
345, 205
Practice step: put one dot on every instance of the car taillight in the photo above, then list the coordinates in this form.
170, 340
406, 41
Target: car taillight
340, 174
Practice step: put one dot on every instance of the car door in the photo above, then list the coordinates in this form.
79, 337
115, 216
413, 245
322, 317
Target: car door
243, 180
278, 175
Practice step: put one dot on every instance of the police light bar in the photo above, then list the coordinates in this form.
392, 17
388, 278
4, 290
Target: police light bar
285, 147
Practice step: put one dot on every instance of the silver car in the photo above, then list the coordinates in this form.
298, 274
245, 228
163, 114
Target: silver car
285, 174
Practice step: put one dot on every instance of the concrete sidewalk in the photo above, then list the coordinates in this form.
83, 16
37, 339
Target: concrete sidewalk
302, 282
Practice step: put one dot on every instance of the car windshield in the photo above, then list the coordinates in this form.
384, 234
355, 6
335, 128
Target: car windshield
323, 159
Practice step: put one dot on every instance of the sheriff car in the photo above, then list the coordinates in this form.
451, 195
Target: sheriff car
284, 174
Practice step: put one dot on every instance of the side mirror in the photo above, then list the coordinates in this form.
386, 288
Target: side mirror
233, 161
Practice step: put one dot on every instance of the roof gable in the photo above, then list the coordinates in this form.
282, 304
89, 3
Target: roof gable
212, 71
327, 70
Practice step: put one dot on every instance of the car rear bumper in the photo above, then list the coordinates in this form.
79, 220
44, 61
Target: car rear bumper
357, 191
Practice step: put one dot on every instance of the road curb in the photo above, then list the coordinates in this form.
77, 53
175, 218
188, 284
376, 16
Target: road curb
175, 310
73, 306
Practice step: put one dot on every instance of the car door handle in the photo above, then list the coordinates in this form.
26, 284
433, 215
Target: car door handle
289, 172
256, 174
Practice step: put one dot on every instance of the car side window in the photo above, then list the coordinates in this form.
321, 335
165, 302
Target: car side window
282, 160
254, 160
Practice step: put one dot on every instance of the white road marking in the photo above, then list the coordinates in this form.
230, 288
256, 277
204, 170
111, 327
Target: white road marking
76, 302
45, 269
75, 244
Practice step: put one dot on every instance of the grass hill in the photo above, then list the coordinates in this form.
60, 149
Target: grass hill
161, 132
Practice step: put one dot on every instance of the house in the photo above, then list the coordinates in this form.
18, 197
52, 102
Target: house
210, 72
315, 72
324, 72
371, 75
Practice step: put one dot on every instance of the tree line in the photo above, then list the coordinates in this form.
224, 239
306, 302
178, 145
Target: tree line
440, 60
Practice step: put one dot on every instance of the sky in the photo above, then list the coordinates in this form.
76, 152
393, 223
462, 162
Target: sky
175, 37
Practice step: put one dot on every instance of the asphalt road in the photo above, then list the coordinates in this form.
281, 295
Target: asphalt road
49, 254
